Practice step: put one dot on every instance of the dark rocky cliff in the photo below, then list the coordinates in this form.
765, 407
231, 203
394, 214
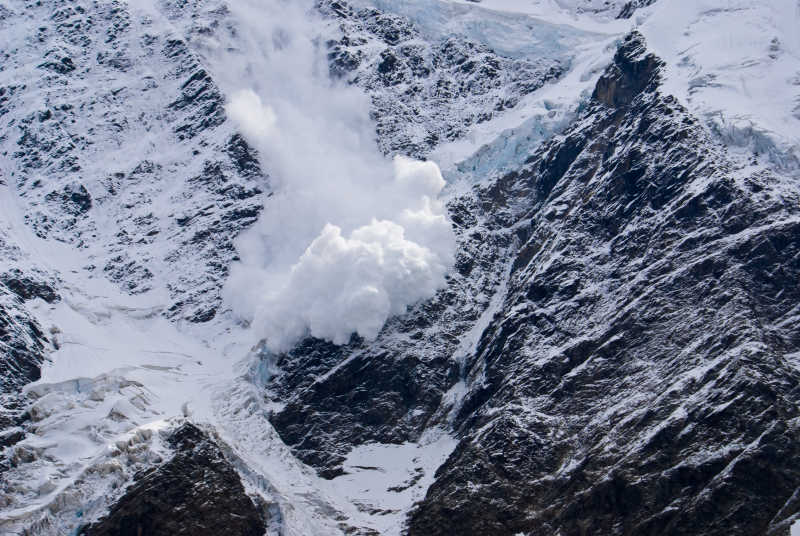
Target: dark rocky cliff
196, 492
23, 349
638, 378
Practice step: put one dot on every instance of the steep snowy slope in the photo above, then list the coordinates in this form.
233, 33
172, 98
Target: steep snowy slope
115, 141
614, 349
645, 360
736, 66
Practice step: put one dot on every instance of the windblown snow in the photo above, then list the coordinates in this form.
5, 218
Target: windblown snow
350, 237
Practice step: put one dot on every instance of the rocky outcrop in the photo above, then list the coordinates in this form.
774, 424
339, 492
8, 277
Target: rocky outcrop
177, 184
382, 394
642, 377
425, 93
629, 8
196, 492
22, 352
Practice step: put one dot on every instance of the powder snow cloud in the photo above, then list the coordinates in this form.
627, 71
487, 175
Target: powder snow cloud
349, 237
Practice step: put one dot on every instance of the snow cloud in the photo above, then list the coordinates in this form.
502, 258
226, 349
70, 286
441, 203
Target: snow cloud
349, 237
255, 120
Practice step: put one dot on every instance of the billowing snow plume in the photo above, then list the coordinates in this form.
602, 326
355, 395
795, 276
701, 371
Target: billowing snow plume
349, 237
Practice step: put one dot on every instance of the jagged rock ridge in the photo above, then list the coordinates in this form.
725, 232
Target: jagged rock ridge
638, 377
644, 381
196, 492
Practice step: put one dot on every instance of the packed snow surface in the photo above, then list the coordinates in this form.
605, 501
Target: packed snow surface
736, 64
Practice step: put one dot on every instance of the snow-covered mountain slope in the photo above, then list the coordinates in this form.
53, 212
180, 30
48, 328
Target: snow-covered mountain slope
442, 75
614, 349
424, 93
736, 66
115, 141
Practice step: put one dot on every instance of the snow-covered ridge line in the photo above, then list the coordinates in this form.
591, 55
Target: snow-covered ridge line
736, 65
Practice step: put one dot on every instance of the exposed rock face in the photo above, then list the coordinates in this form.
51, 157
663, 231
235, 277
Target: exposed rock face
383, 394
197, 492
27, 286
22, 352
426, 93
640, 375
630, 7
23, 343
640, 379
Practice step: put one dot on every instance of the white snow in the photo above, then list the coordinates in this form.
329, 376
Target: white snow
736, 65
385, 480
349, 237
